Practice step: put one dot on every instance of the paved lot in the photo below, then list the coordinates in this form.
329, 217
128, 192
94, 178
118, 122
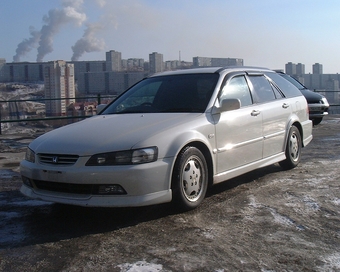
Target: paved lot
267, 220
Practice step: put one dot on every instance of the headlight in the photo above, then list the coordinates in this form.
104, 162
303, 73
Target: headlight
136, 156
30, 155
324, 101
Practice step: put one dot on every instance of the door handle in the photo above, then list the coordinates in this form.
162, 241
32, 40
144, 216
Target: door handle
285, 105
255, 113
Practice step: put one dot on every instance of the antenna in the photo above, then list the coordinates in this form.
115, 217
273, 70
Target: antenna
179, 55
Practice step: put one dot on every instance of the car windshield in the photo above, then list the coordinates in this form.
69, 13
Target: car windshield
172, 93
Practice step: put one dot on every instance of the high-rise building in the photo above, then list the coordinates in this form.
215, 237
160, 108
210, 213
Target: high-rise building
2, 65
155, 62
317, 69
290, 68
300, 69
59, 85
113, 61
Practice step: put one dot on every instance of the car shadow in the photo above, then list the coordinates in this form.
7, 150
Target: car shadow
243, 179
29, 222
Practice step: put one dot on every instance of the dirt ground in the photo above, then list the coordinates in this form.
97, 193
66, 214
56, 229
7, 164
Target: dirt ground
266, 220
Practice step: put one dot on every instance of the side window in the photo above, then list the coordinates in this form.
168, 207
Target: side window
263, 91
277, 93
238, 88
288, 85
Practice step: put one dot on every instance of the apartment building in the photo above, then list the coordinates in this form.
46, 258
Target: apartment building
326, 84
59, 85
156, 63
317, 69
204, 61
113, 61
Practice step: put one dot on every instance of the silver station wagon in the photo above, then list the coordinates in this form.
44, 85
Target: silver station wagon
169, 137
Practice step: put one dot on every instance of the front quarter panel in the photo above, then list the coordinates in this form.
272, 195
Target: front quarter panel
171, 141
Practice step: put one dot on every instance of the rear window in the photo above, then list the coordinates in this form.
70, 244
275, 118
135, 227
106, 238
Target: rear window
287, 88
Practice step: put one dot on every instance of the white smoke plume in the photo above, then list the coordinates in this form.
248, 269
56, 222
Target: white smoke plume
70, 13
88, 43
101, 3
56, 18
27, 44
53, 22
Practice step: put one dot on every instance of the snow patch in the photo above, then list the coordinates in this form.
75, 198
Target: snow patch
140, 266
336, 201
311, 204
331, 263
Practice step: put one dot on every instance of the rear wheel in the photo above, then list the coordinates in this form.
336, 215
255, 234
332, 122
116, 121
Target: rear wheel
190, 179
293, 149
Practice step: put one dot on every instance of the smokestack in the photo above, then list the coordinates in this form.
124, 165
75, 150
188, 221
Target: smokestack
88, 43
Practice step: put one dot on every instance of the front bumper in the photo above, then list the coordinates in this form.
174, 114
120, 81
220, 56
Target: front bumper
317, 110
98, 201
144, 184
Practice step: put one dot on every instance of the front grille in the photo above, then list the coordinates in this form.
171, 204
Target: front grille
58, 159
64, 187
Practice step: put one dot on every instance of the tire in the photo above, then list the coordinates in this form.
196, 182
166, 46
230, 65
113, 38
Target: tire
293, 149
317, 121
190, 179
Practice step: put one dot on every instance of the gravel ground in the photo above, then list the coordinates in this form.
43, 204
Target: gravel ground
266, 220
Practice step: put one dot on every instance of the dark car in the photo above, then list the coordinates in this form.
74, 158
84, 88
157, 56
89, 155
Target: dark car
317, 104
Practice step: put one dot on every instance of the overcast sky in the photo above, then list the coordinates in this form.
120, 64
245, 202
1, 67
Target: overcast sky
267, 33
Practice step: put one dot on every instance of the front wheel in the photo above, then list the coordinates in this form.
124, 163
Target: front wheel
190, 178
293, 149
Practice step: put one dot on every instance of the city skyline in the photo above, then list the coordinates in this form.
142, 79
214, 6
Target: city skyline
264, 33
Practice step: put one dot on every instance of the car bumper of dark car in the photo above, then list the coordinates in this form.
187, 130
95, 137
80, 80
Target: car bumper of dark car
317, 111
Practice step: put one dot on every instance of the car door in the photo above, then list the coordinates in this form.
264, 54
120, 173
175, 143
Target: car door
275, 111
238, 132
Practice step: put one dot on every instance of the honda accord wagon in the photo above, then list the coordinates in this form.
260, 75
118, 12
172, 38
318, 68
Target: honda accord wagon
169, 137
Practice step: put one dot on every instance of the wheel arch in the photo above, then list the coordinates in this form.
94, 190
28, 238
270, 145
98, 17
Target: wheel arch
207, 155
299, 127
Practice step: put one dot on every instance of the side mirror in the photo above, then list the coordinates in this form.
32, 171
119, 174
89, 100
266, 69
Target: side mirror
100, 107
230, 104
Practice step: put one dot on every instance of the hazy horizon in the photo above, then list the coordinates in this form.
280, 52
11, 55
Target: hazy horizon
263, 33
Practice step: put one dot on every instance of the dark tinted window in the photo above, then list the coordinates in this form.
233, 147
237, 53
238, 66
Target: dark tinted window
287, 87
238, 88
263, 91
173, 93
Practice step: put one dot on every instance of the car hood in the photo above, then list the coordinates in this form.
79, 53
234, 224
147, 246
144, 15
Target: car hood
105, 133
311, 97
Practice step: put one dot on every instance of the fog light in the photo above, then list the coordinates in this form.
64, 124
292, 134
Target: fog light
110, 189
27, 182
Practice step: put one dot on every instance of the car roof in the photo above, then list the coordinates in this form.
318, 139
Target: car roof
208, 70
